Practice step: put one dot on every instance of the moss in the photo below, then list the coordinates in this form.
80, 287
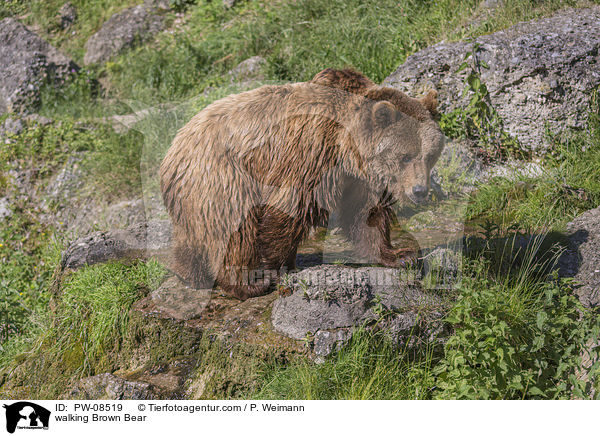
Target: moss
228, 370
153, 340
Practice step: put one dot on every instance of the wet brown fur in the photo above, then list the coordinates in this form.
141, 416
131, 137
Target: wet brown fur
247, 178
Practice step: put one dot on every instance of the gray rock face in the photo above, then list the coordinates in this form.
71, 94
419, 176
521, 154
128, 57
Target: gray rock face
327, 301
27, 62
110, 387
121, 31
118, 244
582, 258
540, 73
460, 171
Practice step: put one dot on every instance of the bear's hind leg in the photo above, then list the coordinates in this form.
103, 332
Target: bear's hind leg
240, 275
190, 265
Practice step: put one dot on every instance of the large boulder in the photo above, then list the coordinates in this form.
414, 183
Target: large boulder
121, 31
327, 302
541, 73
581, 260
27, 63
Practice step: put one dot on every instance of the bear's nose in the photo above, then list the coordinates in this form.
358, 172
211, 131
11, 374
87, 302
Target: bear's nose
420, 191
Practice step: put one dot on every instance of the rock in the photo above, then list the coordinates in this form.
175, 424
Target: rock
122, 123
124, 214
123, 30
328, 301
67, 200
581, 260
21, 180
81, 215
223, 317
180, 301
326, 342
167, 380
66, 183
131, 243
110, 387
515, 170
11, 126
540, 73
460, 171
67, 15
27, 62
250, 69
38, 119
229, 3
5, 210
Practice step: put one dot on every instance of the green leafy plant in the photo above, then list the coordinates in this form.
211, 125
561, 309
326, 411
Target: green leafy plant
499, 353
479, 120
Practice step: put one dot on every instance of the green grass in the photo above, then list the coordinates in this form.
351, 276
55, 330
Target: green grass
84, 332
94, 310
369, 368
111, 160
298, 39
28, 256
516, 341
568, 186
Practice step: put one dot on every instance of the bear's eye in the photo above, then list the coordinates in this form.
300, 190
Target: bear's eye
406, 159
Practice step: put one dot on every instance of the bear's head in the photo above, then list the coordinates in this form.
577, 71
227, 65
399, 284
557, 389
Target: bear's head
395, 139
400, 143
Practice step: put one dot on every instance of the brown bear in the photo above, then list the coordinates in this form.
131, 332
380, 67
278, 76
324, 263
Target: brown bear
248, 177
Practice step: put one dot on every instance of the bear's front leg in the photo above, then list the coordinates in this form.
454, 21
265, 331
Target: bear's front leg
370, 232
408, 252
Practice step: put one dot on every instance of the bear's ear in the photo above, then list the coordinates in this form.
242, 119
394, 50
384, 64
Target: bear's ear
430, 102
384, 113
347, 80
